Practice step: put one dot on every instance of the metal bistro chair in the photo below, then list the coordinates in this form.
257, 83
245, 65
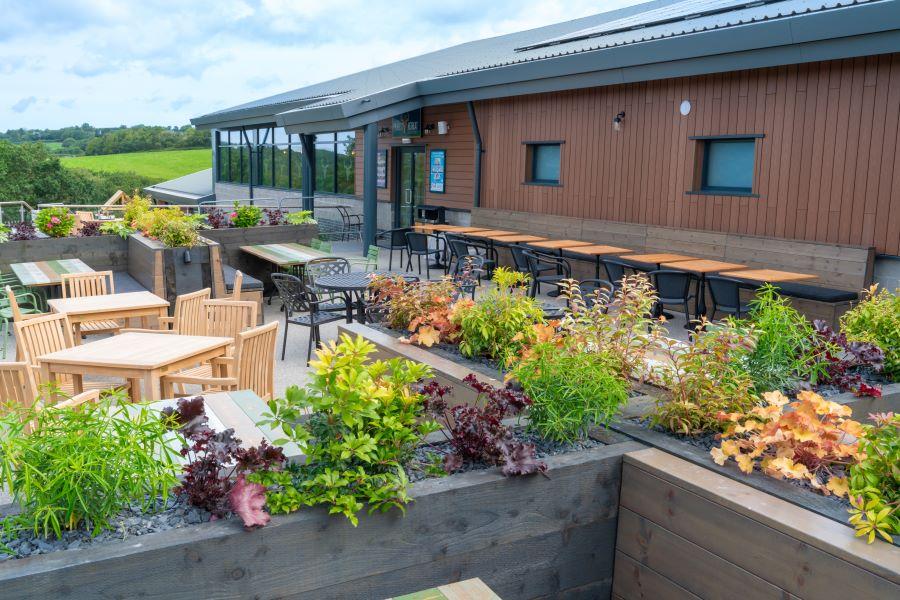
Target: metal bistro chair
352, 224
590, 288
538, 262
521, 261
393, 239
298, 299
616, 271
726, 296
489, 253
417, 244
673, 288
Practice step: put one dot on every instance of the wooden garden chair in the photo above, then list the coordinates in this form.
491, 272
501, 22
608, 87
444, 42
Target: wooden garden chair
94, 283
188, 317
238, 284
251, 366
17, 385
45, 334
17, 314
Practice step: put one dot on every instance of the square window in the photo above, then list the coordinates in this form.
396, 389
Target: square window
728, 165
543, 163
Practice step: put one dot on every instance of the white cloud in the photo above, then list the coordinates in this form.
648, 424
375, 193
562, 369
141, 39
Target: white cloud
164, 61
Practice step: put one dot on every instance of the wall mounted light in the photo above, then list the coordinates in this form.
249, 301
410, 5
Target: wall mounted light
617, 121
384, 132
443, 127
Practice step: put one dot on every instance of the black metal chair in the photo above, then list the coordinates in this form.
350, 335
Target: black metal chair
521, 261
298, 299
320, 267
590, 288
489, 253
539, 262
417, 244
352, 224
673, 288
726, 296
393, 239
616, 270
466, 273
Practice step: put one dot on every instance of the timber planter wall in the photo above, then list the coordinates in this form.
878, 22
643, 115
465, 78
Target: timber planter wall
687, 532
102, 253
164, 271
527, 537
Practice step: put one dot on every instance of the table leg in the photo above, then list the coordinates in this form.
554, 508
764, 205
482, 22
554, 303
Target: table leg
134, 390
348, 300
145, 322
77, 384
360, 307
152, 385
701, 296
597, 268
76, 332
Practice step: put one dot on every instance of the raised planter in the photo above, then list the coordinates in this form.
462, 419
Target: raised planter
168, 272
527, 537
233, 238
104, 252
687, 532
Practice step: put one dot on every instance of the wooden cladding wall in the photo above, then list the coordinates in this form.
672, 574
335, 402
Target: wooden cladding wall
827, 169
458, 142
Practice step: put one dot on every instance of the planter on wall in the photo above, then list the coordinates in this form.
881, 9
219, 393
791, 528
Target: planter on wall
101, 253
168, 272
526, 537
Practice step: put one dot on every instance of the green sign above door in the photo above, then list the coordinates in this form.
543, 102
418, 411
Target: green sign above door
409, 124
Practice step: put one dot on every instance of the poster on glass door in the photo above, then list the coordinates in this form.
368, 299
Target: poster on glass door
438, 162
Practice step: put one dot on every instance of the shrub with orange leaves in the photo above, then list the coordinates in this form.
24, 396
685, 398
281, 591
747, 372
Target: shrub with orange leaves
423, 308
814, 441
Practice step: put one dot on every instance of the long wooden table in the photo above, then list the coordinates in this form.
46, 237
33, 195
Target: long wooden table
285, 255
767, 275
47, 272
701, 268
597, 251
136, 357
109, 306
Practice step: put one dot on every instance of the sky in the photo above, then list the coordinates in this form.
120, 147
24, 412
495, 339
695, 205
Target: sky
161, 62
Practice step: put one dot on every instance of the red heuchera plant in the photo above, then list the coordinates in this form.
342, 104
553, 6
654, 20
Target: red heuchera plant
476, 432
217, 219
214, 459
273, 216
843, 360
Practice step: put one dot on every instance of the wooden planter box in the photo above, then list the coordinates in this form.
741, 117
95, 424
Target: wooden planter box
102, 253
164, 271
232, 239
687, 532
528, 537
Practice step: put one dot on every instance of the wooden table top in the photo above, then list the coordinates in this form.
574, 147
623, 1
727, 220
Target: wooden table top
557, 244
146, 351
470, 589
285, 254
47, 272
489, 233
596, 250
517, 238
87, 305
657, 257
702, 266
767, 275
242, 411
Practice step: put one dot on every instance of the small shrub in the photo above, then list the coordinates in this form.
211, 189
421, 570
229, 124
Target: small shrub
118, 228
4, 233
501, 323
22, 232
476, 432
704, 379
246, 216
90, 229
217, 219
842, 361
366, 420
171, 227
875, 481
273, 216
807, 443
217, 466
876, 319
424, 309
136, 208
55, 221
82, 466
301, 217
570, 390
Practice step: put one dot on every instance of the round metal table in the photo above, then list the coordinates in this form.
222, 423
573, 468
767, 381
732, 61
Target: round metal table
355, 284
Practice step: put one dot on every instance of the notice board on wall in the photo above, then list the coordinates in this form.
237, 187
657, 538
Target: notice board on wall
437, 171
381, 169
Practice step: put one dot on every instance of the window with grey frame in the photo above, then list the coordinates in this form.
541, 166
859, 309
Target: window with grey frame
542, 163
277, 158
336, 163
726, 164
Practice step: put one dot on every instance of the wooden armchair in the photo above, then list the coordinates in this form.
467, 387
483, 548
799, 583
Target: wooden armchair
188, 317
252, 366
17, 384
94, 283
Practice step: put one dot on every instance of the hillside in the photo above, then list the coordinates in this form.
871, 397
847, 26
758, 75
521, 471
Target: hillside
158, 166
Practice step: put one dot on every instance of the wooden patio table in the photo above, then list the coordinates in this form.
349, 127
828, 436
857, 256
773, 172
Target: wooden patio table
110, 307
470, 589
137, 357
767, 275
701, 267
597, 251
285, 255
657, 258
47, 272
517, 238
487, 233
560, 244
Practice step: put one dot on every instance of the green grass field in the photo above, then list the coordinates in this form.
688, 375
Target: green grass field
159, 166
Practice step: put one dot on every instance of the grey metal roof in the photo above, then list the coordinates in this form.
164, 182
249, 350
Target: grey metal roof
187, 189
662, 38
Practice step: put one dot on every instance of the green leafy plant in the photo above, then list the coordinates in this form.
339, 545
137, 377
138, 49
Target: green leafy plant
300, 217
786, 350
55, 221
366, 420
246, 216
570, 390
500, 324
73, 467
875, 479
136, 209
876, 319
704, 378
118, 228
172, 227
4, 233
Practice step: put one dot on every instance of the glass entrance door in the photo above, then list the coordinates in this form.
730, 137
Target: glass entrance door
410, 187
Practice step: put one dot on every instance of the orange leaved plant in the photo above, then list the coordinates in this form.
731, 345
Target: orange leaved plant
424, 308
813, 441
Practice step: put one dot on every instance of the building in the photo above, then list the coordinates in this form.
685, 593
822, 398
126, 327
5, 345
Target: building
192, 188
778, 119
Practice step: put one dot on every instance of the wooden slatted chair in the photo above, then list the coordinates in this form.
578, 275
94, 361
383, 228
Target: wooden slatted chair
17, 312
17, 385
252, 366
188, 317
236, 287
94, 283
43, 335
